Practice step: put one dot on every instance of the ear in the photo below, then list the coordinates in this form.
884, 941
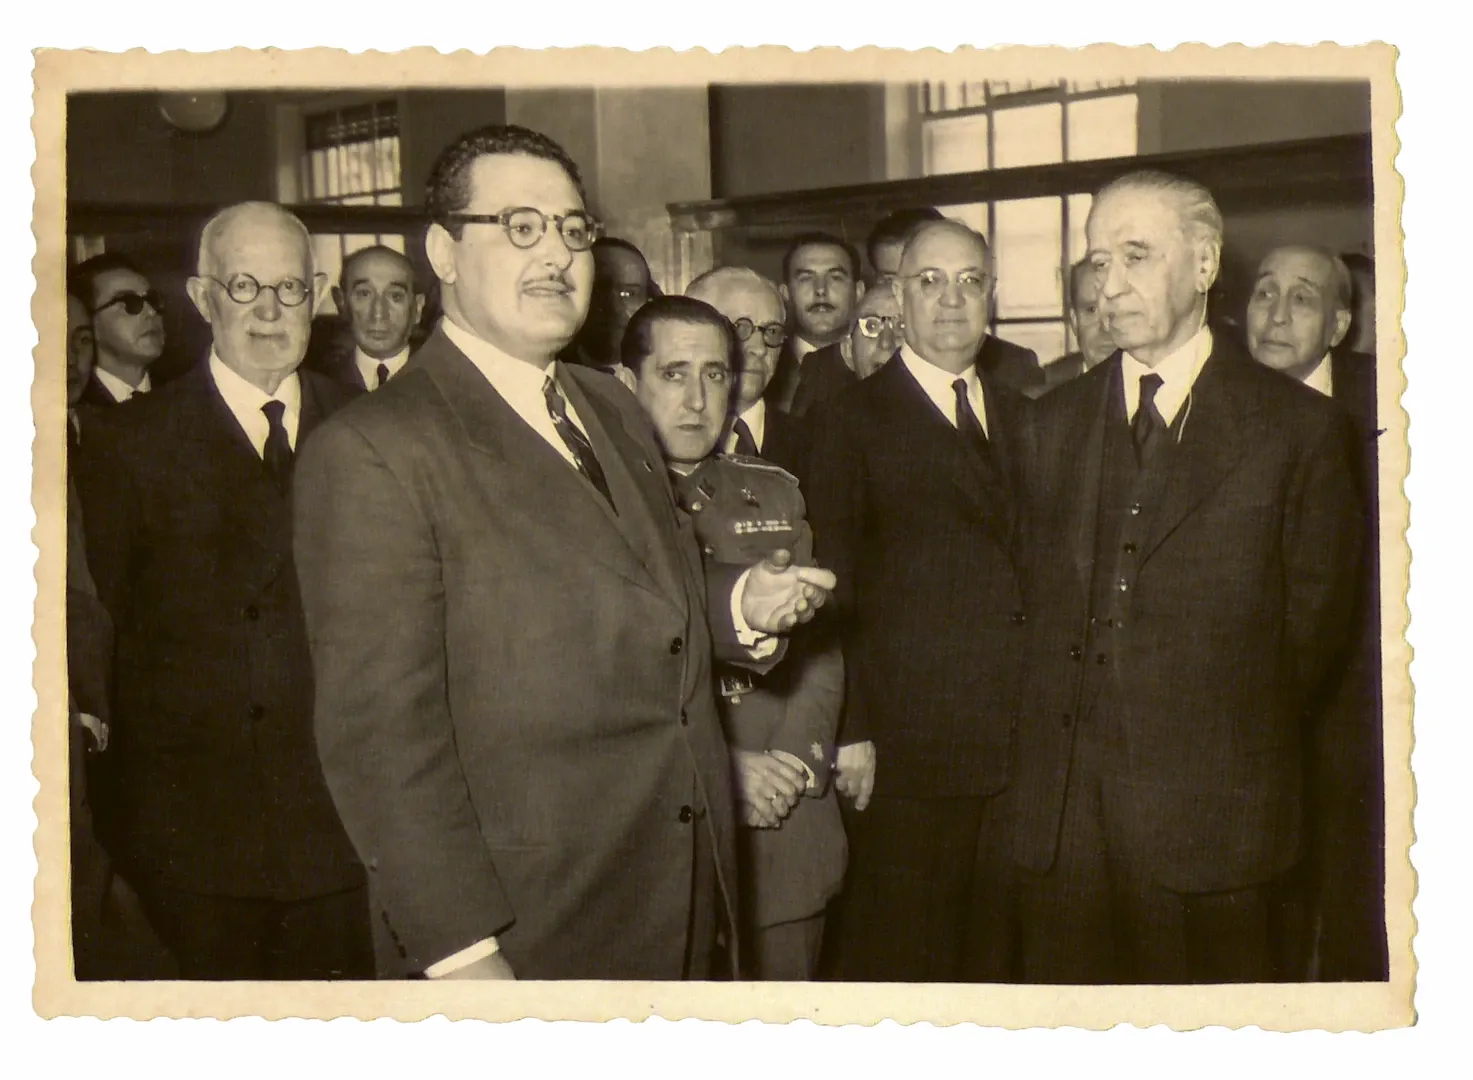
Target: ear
339, 301
440, 250
1209, 261
198, 290
320, 286
898, 291
859, 290
625, 376
419, 309
1342, 327
782, 290
846, 350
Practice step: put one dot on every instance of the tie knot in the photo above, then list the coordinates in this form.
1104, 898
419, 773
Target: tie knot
274, 411
1149, 385
554, 398
960, 386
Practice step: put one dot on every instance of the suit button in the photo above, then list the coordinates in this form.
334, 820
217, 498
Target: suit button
257, 711
1075, 652
1019, 618
709, 551
685, 815
252, 612
1066, 719
1123, 585
1130, 549
1099, 658
1135, 510
675, 646
697, 506
684, 719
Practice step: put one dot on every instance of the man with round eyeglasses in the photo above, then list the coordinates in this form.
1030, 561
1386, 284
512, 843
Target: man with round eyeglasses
878, 331
508, 615
127, 327
216, 808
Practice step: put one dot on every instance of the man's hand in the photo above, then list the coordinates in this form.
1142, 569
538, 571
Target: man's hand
778, 595
758, 817
494, 967
855, 772
768, 785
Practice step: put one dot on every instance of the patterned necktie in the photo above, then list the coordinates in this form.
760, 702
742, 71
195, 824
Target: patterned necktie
967, 422
1148, 429
745, 444
278, 450
383, 375
576, 442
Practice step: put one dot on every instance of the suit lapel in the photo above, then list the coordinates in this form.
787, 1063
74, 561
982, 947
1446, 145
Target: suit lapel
1211, 434
1086, 500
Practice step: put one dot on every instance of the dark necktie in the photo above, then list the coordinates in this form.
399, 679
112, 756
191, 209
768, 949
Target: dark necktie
576, 442
967, 422
1148, 429
745, 444
383, 375
278, 450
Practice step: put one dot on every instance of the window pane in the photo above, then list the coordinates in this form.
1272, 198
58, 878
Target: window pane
357, 242
327, 258
955, 145
973, 214
1102, 128
392, 198
393, 240
1045, 339
1027, 248
1028, 136
319, 174
1078, 214
334, 183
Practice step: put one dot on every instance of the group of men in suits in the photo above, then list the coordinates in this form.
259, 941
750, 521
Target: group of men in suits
521, 666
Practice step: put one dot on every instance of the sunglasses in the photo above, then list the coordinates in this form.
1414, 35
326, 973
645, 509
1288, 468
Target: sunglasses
133, 302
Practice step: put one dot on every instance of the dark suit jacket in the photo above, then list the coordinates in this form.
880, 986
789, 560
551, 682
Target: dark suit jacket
217, 781
515, 708
1011, 365
1238, 611
920, 535
797, 387
784, 441
96, 395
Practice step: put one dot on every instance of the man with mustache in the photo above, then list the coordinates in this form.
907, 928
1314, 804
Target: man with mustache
820, 287
382, 302
127, 327
510, 624
217, 811
1193, 534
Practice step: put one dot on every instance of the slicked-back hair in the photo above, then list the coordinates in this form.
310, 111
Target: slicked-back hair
1195, 204
381, 249
638, 340
896, 227
722, 275
448, 190
820, 239
81, 280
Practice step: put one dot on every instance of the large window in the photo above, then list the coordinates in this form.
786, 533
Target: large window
975, 126
350, 157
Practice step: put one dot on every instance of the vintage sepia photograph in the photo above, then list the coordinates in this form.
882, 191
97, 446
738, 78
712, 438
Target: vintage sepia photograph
843, 536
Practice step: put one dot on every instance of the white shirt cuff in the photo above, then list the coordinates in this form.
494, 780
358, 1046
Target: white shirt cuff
759, 645
466, 957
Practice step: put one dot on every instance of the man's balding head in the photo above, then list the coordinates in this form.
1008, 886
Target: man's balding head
945, 293
1300, 308
259, 248
754, 306
381, 300
877, 331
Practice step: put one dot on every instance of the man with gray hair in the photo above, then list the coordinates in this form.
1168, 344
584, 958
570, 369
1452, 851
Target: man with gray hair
217, 811
1193, 541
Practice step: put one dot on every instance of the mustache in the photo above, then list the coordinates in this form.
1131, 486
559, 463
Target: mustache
558, 278
820, 305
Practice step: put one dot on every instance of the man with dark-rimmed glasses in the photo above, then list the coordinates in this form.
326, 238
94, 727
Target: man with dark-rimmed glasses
127, 326
216, 810
508, 613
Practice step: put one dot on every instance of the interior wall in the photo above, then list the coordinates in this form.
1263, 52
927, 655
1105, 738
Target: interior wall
1204, 114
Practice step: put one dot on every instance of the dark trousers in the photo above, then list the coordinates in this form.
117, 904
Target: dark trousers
703, 960
222, 937
787, 952
1099, 917
926, 898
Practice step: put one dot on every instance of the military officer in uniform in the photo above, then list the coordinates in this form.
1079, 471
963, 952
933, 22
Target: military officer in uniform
678, 358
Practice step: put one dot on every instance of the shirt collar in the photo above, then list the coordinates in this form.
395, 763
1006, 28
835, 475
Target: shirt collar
246, 398
756, 420
119, 389
1320, 378
500, 368
1178, 371
368, 366
802, 347
937, 382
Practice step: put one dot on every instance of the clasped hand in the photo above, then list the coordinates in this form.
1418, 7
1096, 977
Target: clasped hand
779, 595
767, 786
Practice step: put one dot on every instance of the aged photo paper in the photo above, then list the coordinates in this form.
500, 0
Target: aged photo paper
618, 90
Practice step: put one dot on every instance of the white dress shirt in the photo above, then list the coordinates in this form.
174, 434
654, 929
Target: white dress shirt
1178, 372
756, 420
368, 366
937, 383
1319, 378
245, 401
120, 390
520, 385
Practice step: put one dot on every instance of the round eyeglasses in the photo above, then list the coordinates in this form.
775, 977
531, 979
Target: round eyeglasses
872, 325
972, 283
243, 289
526, 225
773, 334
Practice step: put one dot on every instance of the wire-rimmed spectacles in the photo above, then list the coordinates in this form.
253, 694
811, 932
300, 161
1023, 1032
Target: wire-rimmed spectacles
871, 326
773, 334
526, 225
243, 289
972, 283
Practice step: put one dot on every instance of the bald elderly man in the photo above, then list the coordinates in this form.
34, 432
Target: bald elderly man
381, 298
218, 813
877, 332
